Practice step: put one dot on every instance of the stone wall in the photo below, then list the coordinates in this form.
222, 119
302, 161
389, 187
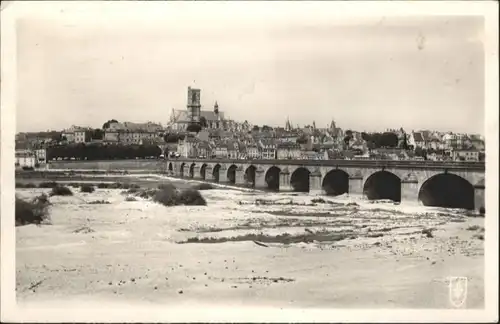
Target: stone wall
146, 165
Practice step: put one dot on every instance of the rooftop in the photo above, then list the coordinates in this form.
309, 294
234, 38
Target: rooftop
418, 137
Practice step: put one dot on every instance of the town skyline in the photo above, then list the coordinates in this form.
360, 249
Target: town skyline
84, 73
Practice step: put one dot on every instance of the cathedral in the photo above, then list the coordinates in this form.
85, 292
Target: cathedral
212, 119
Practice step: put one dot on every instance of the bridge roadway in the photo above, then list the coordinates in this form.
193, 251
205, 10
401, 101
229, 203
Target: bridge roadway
434, 183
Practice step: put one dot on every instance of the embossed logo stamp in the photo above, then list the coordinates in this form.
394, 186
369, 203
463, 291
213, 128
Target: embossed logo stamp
458, 291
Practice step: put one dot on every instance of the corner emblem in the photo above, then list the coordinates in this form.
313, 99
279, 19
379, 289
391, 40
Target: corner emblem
458, 291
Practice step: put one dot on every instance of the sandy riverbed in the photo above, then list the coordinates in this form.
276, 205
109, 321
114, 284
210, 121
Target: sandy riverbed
131, 251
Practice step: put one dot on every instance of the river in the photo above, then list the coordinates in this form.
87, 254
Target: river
252, 247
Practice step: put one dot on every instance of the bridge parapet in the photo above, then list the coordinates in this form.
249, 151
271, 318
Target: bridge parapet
410, 178
356, 175
406, 178
406, 164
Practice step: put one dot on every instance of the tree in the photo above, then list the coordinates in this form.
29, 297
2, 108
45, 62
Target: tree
404, 142
302, 139
379, 140
348, 133
256, 128
194, 127
266, 128
203, 122
106, 124
347, 139
389, 139
366, 137
79, 151
97, 134
375, 138
57, 137
171, 138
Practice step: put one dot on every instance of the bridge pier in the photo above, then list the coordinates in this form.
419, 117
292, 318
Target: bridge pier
240, 177
185, 171
260, 179
479, 198
197, 172
209, 173
223, 175
285, 181
315, 187
163, 166
355, 186
409, 190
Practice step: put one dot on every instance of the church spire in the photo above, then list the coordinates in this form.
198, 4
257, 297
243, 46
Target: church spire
288, 126
216, 107
332, 125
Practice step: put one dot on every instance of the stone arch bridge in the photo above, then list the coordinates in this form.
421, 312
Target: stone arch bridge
446, 184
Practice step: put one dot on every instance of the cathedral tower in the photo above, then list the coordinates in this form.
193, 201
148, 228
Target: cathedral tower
217, 116
193, 105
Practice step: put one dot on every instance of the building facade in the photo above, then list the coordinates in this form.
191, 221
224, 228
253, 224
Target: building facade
187, 147
25, 158
77, 134
465, 155
132, 133
253, 151
288, 151
268, 149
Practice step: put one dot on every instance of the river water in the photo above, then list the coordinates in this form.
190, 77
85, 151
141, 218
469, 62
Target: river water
283, 249
245, 214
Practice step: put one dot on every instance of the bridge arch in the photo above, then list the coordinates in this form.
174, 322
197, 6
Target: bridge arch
447, 190
299, 180
181, 170
203, 171
336, 182
272, 178
215, 172
191, 170
383, 185
231, 174
170, 167
250, 175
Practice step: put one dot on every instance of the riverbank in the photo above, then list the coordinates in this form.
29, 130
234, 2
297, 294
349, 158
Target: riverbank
142, 178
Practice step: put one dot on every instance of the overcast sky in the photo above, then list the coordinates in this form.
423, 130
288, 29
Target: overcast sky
261, 66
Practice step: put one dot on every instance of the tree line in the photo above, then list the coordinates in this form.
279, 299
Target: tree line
173, 137
379, 140
83, 151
